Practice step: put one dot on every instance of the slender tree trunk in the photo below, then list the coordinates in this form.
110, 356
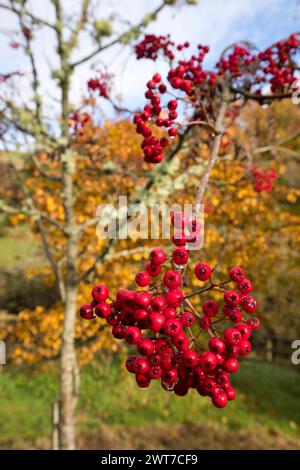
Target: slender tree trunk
68, 366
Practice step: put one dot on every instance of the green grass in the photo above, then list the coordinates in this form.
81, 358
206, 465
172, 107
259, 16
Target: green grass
268, 395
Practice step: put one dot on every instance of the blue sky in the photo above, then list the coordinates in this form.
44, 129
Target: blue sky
217, 23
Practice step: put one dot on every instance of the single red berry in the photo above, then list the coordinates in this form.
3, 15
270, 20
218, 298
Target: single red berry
170, 376
172, 105
231, 365
187, 319
232, 335
157, 256
254, 323
203, 271
141, 365
103, 310
244, 347
142, 380
140, 314
142, 279
190, 358
219, 399
170, 313
235, 316
180, 341
180, 256
86, 312
156, 322
130, 364
207, 361
232, 297
244, 329
230, 393
142, 300
156, 78
172, 327
133, 335
181, 389
158, 303
172, 279
236, 274
153, 269
204, 323
174, 298
162, 346
210, 308
100, 293
172, 132
113, 319
245, 286
179, 239
216, 345
222, 378
118, 331
146, 346
248, 303
155, 372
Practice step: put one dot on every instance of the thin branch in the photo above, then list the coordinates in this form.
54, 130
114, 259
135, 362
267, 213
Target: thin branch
36, 20
116, 40
214, 154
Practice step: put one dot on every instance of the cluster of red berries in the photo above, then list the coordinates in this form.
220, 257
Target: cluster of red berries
272, 66
153, 146
78, 121
102, 84
263, 181
162, 324
152, 45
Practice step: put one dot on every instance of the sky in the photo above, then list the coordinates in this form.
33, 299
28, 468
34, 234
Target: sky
217, 23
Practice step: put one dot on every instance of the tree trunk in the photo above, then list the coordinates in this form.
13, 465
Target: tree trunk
67, 375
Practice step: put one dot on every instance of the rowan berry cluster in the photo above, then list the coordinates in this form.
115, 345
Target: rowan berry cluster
153, 146
102, 84
160, 321
263, 181
152, 45
78, 121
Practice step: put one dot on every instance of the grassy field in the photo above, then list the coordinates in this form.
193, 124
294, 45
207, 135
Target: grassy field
114, 413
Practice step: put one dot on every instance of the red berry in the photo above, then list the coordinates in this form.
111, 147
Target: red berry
141, 366
219, 399
180, 256
190, 358
180, 341
232, 297
210, 308
130, 364
236, 274
231, 365
156, 322
102, 310
142, 278
155, 372
254, 323
172, 105
205, 323
187, 319
172, 279
230, 393
100, 293
232, 336
172, 327
118, 331
142, 380
133, 335
146, 346
156, 78
207, 361
153, 269
158, 303
245, 286
170, 313
217, 345
203, 271
86, 312
174, 298
244, 347
157, 256
248, 303
142, 299
244, 329
170, 376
